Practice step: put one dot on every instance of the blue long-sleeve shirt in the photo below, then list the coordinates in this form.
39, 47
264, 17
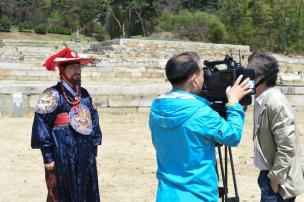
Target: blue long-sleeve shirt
184, 131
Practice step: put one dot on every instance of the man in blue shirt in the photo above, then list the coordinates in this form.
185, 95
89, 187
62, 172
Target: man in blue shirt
185, 129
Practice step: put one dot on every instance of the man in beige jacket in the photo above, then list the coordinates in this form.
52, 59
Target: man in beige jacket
276, 143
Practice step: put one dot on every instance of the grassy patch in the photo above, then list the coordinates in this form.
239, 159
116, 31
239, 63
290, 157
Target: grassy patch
15, 35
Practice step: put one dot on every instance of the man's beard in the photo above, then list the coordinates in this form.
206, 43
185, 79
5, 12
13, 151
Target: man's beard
76, 79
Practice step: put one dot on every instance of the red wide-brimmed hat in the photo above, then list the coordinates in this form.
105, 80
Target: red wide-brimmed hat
66, 56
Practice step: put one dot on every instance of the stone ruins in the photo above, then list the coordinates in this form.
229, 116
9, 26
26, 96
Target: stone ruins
127, 75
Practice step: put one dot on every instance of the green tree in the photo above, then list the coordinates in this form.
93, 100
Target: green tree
5, 24
173, 6
195, 26
166, 20
262, 23
89, 14
200, 5
236, 16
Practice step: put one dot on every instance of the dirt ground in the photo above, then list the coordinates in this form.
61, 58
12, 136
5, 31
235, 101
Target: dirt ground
126, 160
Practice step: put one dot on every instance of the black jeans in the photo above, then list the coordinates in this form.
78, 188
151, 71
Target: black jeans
267, 194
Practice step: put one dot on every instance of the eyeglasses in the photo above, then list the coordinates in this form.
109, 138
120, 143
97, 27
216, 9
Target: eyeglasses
75, 66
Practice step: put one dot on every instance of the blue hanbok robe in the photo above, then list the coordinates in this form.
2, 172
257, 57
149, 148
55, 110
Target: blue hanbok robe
74, 154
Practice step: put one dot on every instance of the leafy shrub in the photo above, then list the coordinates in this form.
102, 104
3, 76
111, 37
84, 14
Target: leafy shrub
59, 30
41, 29
165, 21
25, 27
5, 24
99, 33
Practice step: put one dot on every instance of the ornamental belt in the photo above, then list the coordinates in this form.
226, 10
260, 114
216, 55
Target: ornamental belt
62, 119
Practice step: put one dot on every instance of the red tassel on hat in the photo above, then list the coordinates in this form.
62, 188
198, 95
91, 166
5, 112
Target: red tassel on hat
49, 63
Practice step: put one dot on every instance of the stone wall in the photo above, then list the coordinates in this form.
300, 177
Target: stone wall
127, 74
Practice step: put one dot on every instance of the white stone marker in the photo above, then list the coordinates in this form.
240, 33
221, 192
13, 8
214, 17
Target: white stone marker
18, 104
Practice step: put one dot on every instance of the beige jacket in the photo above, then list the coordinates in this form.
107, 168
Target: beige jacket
278, 144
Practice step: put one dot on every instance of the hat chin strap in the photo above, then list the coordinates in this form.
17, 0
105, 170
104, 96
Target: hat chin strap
61, 70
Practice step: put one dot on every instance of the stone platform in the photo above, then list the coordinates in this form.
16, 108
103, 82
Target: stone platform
127, 74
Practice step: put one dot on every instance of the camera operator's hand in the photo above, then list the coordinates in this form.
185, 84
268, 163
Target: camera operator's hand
238, 91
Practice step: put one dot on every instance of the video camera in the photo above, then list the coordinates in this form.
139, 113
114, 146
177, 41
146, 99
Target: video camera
216, 81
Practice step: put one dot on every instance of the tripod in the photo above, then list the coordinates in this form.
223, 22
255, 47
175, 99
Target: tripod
223, 191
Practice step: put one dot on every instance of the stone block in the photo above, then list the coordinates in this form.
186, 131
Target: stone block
26, 78
157, 75
131, 101
119, 69
33, 99
18, 72
28, 112
86, 74
108, 74
299, 90
153, 75
146, 75
292, 90
297, 100
106, 69
106, 89
54, 79
33, 73
101, 101
11, 77
136, 74
26, 101
287, 90
123, 101
139, 90
146, 101
6, 107
44, 78
117, 110
143, 109
5, 72
34, 78
123, 75
96, 76
299, 108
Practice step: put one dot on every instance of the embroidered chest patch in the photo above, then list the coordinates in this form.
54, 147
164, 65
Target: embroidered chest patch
48, 101
80, 119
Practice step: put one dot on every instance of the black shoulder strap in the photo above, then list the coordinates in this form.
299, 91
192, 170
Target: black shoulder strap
272, 73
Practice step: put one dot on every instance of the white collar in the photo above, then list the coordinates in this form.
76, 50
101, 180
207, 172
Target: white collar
68, 87
262, 96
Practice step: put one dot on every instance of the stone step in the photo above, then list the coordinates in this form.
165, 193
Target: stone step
112, 88
98, 79
19, 71
42, 75
102, 71
100, 67
110, 95
98, 88
105, 95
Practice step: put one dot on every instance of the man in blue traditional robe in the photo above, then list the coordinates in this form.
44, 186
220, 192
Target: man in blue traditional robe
185, 129
66, 130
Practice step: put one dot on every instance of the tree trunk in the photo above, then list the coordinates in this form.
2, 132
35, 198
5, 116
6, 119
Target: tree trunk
141, 21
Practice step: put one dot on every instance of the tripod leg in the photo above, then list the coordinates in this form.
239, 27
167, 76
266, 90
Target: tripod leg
222, 190
226, 174
233, 175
